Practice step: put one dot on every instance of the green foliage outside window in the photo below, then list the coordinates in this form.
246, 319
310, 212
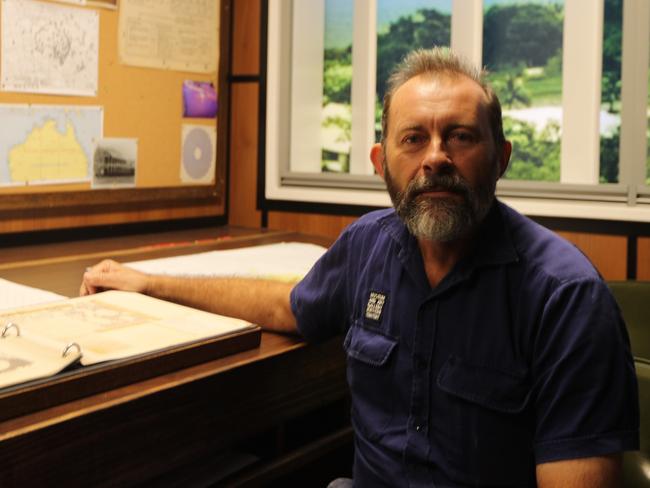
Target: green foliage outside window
526, 34
337, 75
535, 156
611, 87
522, 50
423, 29
522, 46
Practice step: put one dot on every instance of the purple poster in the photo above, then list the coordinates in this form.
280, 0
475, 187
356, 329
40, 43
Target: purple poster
199, 99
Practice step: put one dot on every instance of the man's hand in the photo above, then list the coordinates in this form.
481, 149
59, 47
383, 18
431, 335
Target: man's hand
262, 302
111, 275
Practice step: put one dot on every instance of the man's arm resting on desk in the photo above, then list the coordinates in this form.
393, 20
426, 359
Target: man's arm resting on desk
261, 302
593, 472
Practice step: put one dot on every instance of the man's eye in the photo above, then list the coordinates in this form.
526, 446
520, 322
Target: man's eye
461, 138
412, 139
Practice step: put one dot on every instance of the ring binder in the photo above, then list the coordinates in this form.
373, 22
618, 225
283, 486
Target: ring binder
70, 346
8, 326
112, 325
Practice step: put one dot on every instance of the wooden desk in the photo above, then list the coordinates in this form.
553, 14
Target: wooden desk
168, 430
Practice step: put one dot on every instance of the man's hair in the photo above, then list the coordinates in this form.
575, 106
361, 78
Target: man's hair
439, 62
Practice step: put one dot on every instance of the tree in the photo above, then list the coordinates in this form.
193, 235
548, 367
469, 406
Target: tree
511, 91
612, 47
534, 156
527, 34
609, 157
424, 29
337, 75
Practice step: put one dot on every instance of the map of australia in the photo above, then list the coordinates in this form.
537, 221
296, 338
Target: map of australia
48, 154
47, 143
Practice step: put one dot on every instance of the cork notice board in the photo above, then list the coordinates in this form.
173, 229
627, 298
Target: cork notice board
143, 104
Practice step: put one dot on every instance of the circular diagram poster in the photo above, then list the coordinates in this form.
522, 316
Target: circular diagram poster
198, 153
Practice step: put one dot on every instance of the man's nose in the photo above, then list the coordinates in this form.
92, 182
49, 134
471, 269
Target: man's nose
436, 156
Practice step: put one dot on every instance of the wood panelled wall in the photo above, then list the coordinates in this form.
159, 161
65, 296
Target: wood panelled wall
244, 114
643, 259
607, 251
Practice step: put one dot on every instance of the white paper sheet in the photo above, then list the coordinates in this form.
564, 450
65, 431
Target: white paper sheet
286, 261
16, 295
170, 34
48, 48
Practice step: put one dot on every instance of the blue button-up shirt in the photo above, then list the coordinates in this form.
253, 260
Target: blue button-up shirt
519, 356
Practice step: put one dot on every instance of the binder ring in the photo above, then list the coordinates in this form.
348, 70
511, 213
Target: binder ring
72, 345
8, 326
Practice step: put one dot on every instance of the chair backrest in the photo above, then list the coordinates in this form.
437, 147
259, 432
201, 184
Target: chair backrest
633, 298
636, 465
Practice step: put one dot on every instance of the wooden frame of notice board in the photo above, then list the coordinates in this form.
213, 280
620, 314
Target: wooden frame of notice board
141, 103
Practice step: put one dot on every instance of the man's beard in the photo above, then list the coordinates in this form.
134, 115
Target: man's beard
438, 218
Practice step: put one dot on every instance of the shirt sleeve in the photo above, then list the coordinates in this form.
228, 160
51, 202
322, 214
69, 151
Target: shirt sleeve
319, 300
584, 383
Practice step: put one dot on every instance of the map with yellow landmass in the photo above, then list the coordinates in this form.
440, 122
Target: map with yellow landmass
47, 154
47, 143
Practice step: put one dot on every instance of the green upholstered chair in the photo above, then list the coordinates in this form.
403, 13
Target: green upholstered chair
633, 298
636, 465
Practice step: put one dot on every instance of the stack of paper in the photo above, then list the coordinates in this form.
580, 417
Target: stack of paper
15, 295
285, 261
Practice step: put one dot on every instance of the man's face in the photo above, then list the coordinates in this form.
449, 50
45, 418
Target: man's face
439, 159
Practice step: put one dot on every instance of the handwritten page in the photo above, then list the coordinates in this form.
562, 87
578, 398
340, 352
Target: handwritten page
170, 34
285, 261
16, 295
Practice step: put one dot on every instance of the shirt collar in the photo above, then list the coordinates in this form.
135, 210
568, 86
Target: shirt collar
493, 242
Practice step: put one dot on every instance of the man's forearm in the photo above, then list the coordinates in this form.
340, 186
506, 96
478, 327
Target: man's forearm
593, 472
262, 302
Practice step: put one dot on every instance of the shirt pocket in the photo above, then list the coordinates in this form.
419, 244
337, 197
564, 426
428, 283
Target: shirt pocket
489, 435
370, 372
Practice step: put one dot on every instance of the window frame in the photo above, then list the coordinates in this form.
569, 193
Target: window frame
576, 195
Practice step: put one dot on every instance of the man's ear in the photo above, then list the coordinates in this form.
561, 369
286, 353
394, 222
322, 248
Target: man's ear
504, 157
377, 158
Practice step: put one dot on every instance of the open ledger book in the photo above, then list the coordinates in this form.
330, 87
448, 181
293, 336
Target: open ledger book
39, 341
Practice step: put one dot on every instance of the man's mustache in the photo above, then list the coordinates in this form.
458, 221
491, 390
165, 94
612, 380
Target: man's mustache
432, 182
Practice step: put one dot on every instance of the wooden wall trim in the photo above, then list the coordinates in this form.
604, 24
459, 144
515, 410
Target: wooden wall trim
162, 196
245, 146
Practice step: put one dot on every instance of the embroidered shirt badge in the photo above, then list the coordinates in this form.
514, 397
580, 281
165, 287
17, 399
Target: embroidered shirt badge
375, 304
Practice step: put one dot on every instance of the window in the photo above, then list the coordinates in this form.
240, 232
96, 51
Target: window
402, 27
336, 116
610, 91
572, 76
648, 117
522, 50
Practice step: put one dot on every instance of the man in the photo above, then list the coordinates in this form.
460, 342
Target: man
482, 349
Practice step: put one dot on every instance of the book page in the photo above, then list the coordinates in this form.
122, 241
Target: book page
22, 359
117, 324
